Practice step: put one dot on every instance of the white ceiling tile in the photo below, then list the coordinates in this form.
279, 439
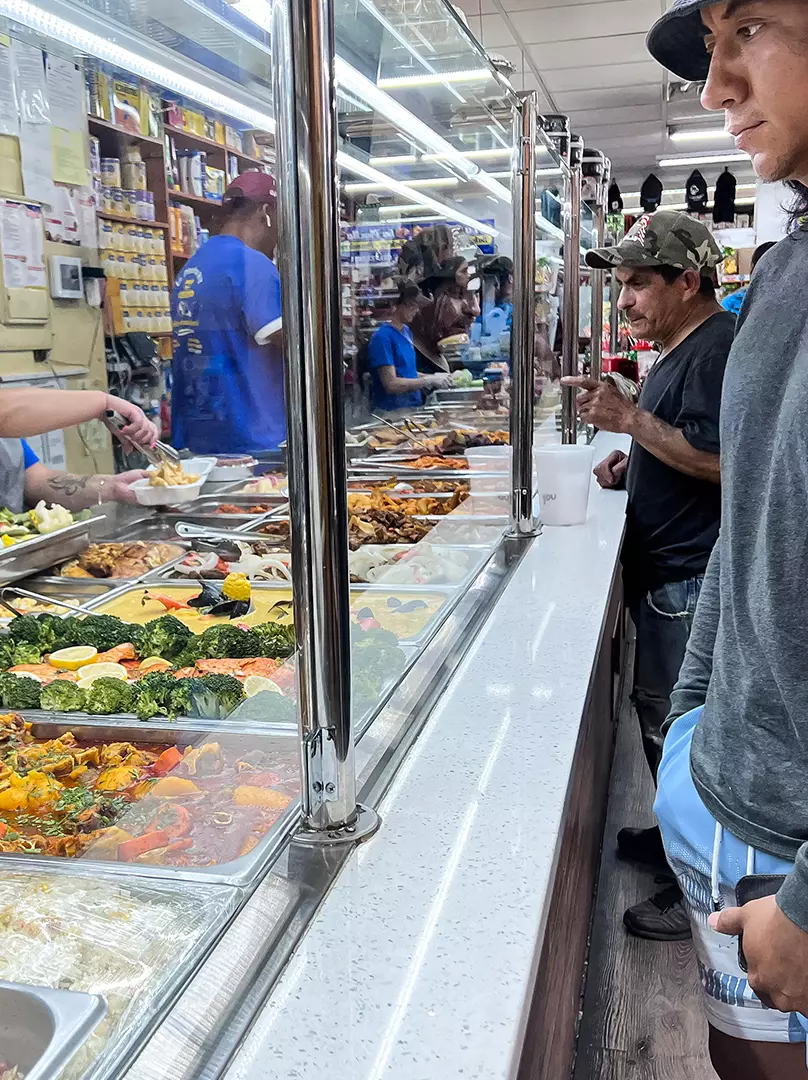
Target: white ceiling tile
602, 76
570, 21
624, 49
616, 115
494, 32
617, 97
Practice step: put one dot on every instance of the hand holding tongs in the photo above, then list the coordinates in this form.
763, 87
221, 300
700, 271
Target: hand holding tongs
155, 455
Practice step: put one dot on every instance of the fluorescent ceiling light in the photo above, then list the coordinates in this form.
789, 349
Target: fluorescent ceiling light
702, 159
696, 134
379, 180
400, 207
436, 78
432, 181
394, 159
94, 45
681, 191
474, 155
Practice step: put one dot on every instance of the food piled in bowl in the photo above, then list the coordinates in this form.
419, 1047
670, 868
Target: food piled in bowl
171, 474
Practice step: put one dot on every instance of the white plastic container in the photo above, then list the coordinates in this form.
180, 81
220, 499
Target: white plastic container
223, 473
147, 495
564, 476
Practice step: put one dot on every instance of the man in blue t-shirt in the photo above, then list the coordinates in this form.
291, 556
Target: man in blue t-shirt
227, 370
397, 383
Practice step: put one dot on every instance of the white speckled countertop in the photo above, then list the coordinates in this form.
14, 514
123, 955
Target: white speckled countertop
420, 963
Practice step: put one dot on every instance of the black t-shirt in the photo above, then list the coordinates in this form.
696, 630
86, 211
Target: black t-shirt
673, 518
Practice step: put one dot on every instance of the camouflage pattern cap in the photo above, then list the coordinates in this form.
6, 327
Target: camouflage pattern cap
666, 238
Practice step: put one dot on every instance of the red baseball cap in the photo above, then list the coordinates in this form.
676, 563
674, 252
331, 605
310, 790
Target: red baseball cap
253, 185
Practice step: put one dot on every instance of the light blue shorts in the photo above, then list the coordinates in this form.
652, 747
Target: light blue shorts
708, 862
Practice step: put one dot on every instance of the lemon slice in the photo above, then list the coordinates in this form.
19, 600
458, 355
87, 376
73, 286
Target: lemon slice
254, 684
72, 659
154, 663
102, 671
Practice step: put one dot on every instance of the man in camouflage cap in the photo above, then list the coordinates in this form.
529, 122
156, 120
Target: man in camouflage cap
666, 267
666, 238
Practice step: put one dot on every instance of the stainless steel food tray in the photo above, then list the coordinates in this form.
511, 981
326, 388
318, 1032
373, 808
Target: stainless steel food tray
28, 557
241, 872
209, 504
77, 591
460, 396
271, 586
41, 1029
149, 527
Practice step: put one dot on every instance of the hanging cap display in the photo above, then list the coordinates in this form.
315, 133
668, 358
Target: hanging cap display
651, 194
696, 193
676, 40
724, 203
615, 198
666, 238
252, 185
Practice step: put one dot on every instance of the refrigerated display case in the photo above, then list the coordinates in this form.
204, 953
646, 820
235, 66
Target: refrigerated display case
181, 834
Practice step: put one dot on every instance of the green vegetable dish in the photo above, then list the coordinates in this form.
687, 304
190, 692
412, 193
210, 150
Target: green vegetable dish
163, 671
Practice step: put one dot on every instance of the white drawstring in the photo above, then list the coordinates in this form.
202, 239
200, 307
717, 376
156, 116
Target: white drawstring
718, 903
750, 861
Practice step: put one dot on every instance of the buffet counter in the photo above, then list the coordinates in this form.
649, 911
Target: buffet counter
452, 944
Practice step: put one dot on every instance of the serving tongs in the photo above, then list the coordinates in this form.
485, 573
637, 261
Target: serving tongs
403, 429
34, 596
155, 455
225, 539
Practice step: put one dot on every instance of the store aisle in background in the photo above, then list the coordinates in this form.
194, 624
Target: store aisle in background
642, 1006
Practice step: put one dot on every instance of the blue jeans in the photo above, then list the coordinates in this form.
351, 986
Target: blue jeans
663, 618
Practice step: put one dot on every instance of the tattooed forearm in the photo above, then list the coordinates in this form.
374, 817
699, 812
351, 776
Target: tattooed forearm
67, 484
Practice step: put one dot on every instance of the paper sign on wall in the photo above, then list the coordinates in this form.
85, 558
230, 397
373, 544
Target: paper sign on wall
29, 81
9, 115
22, 245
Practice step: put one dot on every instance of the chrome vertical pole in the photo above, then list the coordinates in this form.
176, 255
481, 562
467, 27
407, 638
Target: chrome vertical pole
571, 314
523, 522
596, 348
614, 319
306, 146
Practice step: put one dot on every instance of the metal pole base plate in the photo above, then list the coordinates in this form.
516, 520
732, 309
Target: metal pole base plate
366, 824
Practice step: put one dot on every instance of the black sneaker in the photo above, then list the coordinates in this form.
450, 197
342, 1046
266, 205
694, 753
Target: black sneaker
661, 918
642, 846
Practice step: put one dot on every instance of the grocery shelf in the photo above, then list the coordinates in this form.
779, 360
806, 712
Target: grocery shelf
194, 200
126, 219
210, 144
106, 125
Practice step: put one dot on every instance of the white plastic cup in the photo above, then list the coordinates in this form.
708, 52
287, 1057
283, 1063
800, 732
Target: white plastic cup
564, 475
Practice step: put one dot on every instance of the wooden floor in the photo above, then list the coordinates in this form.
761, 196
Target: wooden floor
642, 1016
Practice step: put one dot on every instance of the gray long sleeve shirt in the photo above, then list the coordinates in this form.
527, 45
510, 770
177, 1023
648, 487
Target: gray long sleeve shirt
748, 651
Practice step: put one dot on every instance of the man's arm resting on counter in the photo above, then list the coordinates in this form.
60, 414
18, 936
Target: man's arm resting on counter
671, 447
72, 492
694, 676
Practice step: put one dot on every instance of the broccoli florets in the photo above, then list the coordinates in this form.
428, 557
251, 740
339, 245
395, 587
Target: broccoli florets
104, 632
376, 660
277, 642
219, 643
179, 698
266, 707
107, 696
152, 695
166, 637
20, 692
25, 653
213, 697
63, 696
30, 630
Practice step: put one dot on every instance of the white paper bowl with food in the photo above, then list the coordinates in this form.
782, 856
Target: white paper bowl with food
232, 468
170, 495
171, 483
